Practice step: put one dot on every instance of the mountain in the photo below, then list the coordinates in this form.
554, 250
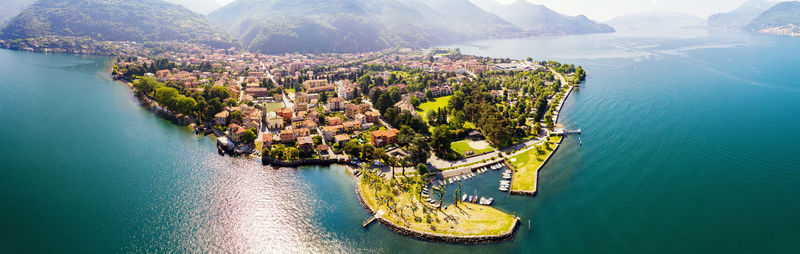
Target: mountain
113, 20
658, 22
278, 26
738, 18
200, 6
540, 20
12, 8
782, 18
465, 17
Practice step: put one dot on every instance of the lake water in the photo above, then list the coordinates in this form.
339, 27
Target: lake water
689, 145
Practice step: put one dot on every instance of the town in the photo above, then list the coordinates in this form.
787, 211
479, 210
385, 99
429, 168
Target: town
429, 118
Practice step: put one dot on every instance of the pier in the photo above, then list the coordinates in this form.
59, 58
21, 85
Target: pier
374, 217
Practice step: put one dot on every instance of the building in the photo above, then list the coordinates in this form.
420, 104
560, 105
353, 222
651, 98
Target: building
287, 136
345, 89
257, 92
382, 138
295, 67
302, 132
221, 118
305, 144
442, 90
274, 121
266, 140
317, 85
252, 124
300, 97
351, 110
286, 113
372, 116
351, 126
333, 120
237, 132
341, 139
329, 131
322, 151
336, 103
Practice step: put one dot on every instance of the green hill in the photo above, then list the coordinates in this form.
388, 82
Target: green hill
13, 7
277, 26
539, 20
785, 14
113, 20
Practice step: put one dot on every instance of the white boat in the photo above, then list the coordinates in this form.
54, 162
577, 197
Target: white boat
503, 188
464, 197
489, 201
469, 199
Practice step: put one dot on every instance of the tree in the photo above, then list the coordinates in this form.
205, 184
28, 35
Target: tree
352, 148
367, 150
457, 194
422, 169
429, 94
418, 149
431, 117
323, 97
415, 101
440, 192
166, 96
292, 153
236, 115
231, 102
185, 105
146, 85
219, 92
249, 137
441, 141
384, 103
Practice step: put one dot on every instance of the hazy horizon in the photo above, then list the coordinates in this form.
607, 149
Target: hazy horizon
605, 10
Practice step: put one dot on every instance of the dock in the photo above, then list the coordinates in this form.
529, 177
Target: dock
374, 217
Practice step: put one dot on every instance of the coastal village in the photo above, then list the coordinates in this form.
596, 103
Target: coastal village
430, 118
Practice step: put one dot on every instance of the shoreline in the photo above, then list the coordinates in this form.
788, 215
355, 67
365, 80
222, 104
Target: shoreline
433, 237
557, 145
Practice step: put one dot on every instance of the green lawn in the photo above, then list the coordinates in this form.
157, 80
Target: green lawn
462, 147
407, 209
527, 166
434, 104
289, 90
269, 107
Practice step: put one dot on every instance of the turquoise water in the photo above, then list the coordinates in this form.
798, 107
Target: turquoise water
688, 146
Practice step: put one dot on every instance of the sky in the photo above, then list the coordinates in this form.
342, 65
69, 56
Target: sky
603, 10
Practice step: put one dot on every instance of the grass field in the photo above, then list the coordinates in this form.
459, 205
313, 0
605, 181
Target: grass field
289, 90
462, 147
434, 104
527, 165
406, 209
269, 107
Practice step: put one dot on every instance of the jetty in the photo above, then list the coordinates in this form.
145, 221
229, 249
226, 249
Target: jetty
374, 217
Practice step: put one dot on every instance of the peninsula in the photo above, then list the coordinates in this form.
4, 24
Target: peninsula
408, 122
